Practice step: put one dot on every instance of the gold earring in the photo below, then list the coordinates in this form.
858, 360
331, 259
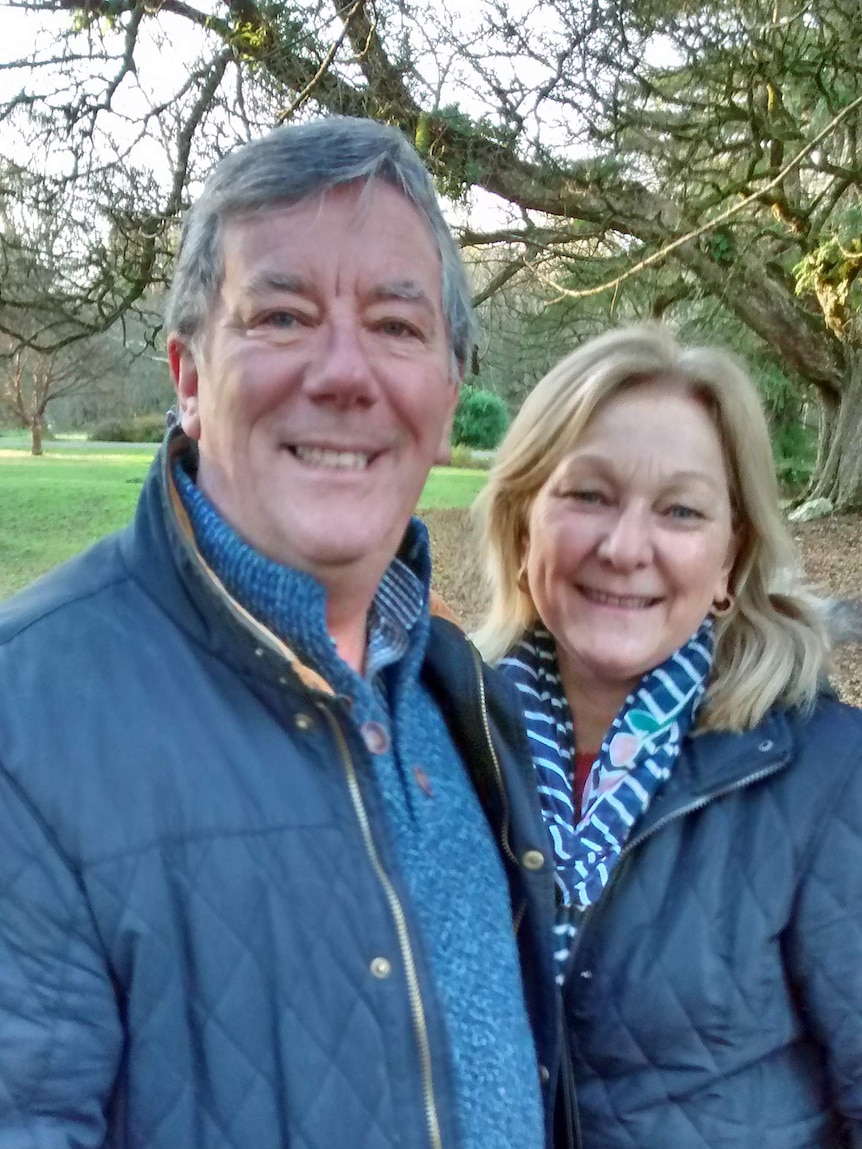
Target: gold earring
724, 607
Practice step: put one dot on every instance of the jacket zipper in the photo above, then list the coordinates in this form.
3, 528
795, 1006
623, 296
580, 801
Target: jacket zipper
419, 1023
699, 804
498, 773
629, 847
682, 812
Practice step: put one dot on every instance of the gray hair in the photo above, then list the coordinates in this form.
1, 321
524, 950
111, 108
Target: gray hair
293, 163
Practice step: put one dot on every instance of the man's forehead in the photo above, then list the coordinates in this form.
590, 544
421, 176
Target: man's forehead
288, 248
357, 198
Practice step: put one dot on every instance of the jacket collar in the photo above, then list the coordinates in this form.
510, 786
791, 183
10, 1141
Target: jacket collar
717, 763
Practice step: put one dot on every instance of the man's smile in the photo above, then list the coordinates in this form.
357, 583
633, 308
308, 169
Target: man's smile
330, 458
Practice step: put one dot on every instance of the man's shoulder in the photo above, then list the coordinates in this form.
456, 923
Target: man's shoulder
51, 599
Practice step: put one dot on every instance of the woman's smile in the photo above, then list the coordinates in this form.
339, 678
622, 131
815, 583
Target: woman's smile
618, 601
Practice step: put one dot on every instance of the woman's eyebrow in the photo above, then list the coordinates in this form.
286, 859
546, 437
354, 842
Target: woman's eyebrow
611, 467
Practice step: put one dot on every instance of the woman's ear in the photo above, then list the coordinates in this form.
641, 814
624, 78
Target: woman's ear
523, 578
722, 589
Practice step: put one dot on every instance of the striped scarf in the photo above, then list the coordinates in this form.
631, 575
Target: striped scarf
637, 756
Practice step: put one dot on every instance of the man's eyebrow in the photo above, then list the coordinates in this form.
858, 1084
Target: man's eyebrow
265, 282
404, 289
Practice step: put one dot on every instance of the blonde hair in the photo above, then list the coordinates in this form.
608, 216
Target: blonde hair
773, 646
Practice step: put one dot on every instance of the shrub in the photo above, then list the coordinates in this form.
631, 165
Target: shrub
481, 419
462, 456
137, 429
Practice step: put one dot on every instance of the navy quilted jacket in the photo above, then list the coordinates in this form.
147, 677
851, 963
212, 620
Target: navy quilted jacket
715, 997
204, 943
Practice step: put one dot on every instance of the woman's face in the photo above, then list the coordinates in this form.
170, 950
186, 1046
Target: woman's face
630, 539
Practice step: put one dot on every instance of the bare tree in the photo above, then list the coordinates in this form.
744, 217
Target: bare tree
716, 141
30, 380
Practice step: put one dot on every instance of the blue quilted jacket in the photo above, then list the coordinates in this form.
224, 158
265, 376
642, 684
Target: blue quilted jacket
204, 942
715, 996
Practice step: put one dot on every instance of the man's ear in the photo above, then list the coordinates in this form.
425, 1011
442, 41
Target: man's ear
444, 447
184, 372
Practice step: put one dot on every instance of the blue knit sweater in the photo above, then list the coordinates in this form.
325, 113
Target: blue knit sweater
447, 856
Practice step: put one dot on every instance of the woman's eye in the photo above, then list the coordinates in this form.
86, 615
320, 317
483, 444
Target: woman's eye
683, 512
585, 495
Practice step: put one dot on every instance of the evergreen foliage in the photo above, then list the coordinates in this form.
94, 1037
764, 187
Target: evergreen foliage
481, 419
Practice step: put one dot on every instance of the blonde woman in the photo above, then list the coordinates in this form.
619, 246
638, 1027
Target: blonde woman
701, 785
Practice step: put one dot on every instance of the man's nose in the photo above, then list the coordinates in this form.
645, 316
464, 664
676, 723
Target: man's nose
628, 541
341, 371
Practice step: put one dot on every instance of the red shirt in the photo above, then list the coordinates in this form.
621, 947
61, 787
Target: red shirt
583, 764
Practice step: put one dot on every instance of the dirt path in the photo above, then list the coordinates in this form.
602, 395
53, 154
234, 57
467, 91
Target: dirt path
831, 553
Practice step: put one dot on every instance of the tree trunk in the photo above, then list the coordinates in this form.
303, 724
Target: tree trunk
36, 435
838, 471
828, 403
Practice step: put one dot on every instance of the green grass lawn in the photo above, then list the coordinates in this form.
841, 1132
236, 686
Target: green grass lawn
53, 507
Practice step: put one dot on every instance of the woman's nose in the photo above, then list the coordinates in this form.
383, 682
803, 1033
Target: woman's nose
627, 543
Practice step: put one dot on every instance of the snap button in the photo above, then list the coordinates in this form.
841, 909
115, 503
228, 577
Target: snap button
381, 968
544, 1074
766, 745
587, 973
259, 651
302, 722
375, 737
532, 859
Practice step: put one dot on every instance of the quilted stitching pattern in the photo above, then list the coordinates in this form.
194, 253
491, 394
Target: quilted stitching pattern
250, 1009
716, 1001
180, 861
229, 945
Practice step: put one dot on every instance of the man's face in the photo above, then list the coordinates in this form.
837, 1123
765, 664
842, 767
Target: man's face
320, 389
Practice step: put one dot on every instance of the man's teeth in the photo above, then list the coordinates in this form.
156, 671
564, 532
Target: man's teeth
338, 460
629, 601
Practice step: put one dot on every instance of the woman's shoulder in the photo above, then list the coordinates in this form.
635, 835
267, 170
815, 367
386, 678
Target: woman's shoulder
827, 742
829, 720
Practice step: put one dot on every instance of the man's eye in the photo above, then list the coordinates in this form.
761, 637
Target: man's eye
280, 319
397, 327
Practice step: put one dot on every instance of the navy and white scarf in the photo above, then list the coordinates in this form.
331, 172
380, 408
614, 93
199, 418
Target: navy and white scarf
637, 756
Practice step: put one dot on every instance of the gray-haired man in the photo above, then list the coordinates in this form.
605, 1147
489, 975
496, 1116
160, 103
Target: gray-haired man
264, 824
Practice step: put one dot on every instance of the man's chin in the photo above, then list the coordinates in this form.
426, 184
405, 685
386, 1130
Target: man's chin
340, 550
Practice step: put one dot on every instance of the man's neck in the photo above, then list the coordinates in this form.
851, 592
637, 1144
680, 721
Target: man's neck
350, 592
349, 632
